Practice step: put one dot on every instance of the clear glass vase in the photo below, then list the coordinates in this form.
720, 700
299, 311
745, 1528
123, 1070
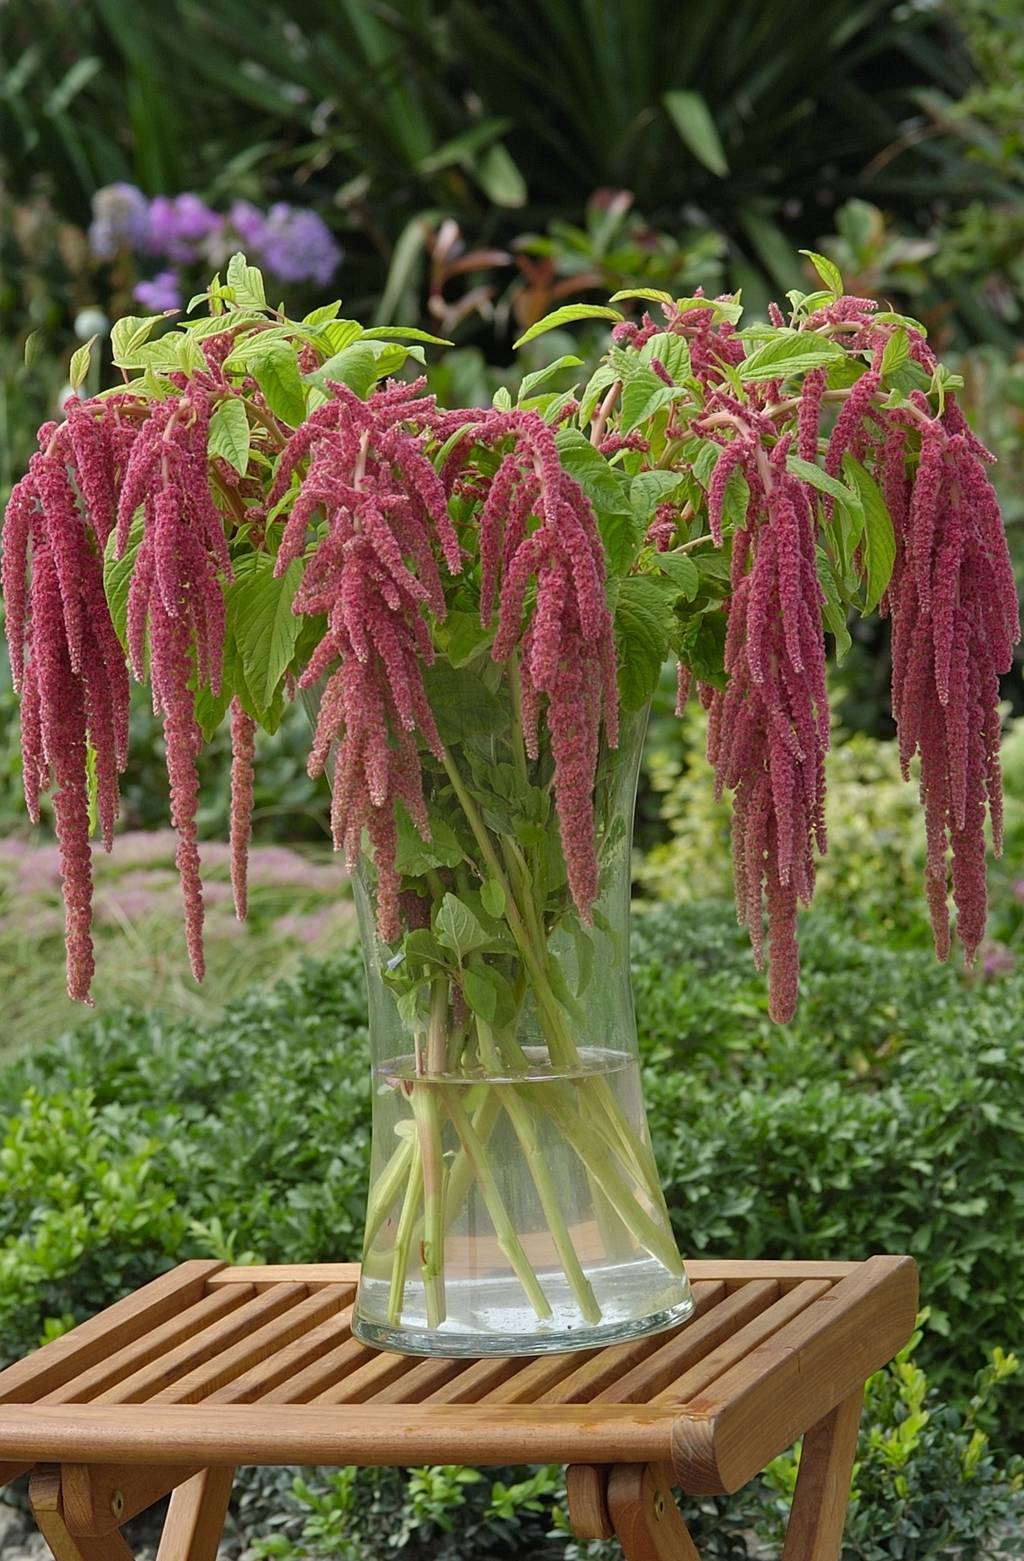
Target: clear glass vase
514, 1205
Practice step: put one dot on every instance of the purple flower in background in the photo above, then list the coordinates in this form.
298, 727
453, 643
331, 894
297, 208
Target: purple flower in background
297, 245
120, 220
249, 223
997, 960
160, 293
179, 224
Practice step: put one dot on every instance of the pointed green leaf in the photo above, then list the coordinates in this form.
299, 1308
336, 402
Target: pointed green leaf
682, 571
229, 435
789, 353
879, 541
827, 269
533, 382
492, 897
566, 316
651, 295
403, 333
264, 626
78, 369
128, 334
246, 283
118, 572
276, 371
697, 130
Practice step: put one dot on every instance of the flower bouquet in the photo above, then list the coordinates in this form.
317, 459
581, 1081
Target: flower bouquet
477, 603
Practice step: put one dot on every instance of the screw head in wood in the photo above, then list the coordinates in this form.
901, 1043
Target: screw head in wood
659, 1505
117, 1503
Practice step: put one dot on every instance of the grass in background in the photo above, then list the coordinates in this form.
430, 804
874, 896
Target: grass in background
299, 903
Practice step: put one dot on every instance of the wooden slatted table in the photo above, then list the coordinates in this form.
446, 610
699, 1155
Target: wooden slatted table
210, 1367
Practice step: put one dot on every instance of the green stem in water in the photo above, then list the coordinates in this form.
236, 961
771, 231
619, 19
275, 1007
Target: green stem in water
385, 1190
403, 1240
504, 1230
523, 1125
592, 1150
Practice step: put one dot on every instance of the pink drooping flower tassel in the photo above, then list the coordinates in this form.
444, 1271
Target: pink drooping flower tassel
243, 747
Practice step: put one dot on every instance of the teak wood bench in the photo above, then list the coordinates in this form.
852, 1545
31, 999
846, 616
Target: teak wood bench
210, 1367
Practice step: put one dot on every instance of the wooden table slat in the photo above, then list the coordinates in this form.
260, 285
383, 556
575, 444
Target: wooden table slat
690, 1344
287, 1361
607, 1367
740, 1344
334, 1364
132, 1357
256, 1347
159, 1374
122, 1322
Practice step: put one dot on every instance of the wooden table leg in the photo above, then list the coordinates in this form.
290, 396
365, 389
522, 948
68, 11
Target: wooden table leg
195, 1518
815, 1531
645, 1516
586, 1486
44, 1496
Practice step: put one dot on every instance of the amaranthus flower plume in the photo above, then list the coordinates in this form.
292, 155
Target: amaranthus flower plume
261, 508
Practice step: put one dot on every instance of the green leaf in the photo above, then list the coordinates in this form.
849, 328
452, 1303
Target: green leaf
645, 395
652, 295
644, 621
355, 366
834, 615
480, 993
897, 351
458, 929
492, 897
790, 352
416, 856
462, 638
78, 368
533, 382
33, 343
499, 178
603, 377
403, 333
264, 626
128, 334
879, 541
488, 994
229, 434
649, 489
246, 283
502, 399
827, 269
671, 351
808, 472
341, 333
277, 374
606, 490
602, 484
702, 646
682, 571
730, 309
462, 703
323, 315
697, 130
118, 572
566, 316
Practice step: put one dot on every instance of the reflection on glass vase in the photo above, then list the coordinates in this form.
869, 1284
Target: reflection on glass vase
514, 1205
